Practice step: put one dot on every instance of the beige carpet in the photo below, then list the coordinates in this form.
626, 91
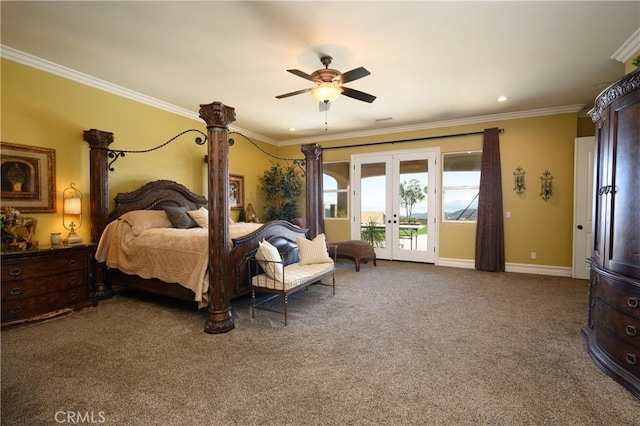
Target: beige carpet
398, 344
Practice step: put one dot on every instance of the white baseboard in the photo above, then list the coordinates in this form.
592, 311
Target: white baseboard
523, 268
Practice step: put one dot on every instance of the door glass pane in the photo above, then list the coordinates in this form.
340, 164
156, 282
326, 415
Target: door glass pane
373, 198
413, 193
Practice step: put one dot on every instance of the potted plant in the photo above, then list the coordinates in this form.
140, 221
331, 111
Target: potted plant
282, 188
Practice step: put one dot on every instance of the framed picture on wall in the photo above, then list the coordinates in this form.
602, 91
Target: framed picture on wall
28, 176
236, 192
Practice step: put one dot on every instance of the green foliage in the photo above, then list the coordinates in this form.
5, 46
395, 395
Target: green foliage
373, 233
282, 188
411, 193
636, 61
242, 216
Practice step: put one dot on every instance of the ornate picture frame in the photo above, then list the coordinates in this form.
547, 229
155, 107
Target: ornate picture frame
236, 192
28, 176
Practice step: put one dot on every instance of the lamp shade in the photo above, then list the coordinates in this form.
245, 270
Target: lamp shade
72, 205
326, 92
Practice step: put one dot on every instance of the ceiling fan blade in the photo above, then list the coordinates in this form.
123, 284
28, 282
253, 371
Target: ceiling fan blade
286, 95
356, 94
301, 74
324, 106
354, 74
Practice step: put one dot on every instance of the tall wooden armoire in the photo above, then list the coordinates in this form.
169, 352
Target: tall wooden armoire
613, 329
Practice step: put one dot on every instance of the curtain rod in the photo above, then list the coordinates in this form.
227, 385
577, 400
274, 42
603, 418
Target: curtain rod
408, 140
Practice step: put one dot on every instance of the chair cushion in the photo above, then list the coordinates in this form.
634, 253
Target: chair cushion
294, 275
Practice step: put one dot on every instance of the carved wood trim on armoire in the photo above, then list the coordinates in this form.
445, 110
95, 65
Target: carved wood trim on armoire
613, 328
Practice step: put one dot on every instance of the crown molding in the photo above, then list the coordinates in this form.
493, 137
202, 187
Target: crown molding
567, 109
628, 48
68, 73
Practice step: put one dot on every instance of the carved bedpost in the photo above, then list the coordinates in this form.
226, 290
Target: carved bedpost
99, 142
218, 117
314, 206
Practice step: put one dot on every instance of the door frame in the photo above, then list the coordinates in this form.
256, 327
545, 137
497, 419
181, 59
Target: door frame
391, 159
583, 182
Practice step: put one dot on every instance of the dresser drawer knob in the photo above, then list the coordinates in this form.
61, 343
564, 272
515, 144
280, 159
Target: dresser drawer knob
16, 310
16, 291
72, 263
632, 302
631, 330
14, 272
72, 280
73, 296
631, 359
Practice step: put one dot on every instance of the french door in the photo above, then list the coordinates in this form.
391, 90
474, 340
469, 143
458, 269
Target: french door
395, 203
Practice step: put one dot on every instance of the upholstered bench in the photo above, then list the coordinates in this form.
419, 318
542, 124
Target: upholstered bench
282, 267
356, 250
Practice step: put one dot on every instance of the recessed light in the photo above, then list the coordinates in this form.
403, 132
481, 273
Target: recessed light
292, 129
502, 98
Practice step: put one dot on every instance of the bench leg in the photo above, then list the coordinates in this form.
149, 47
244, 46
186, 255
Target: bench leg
357, 260
253, 303
286, 302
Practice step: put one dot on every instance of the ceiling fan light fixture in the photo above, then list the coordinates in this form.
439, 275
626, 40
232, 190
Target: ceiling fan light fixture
326, 92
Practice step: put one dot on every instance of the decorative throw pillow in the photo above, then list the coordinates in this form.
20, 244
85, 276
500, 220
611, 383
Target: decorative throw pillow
313, 251
266, 251
179, 217
146, 219
200, 216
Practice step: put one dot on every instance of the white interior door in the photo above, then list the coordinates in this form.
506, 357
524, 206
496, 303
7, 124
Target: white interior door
583, 205
394, 204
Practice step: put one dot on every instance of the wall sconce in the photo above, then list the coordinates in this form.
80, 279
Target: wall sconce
546, 190
518, 178
72, 206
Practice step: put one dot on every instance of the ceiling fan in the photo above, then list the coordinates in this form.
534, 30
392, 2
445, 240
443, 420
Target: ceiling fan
330, 84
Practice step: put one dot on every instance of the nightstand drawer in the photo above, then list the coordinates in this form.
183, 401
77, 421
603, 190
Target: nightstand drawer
22, 308
44, 282
26, 268
42, 285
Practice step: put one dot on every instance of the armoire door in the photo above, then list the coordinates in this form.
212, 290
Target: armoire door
395, 205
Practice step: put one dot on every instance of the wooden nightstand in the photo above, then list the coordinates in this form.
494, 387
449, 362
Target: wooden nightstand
45, 282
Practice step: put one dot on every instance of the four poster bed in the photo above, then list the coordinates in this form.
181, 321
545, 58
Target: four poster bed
224, 273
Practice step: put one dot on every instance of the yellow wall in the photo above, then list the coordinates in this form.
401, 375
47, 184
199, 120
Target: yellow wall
41, 109
536, 144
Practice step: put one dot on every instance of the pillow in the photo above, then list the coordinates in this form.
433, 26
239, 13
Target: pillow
266, 251
313, 251
146, 219
179, 217
200, 216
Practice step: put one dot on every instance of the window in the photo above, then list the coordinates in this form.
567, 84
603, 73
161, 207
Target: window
336, 190
460, 186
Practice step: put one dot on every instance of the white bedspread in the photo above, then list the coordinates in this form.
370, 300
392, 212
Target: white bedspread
169, 254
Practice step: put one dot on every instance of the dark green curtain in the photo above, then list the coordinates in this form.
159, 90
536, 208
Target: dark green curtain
490, 225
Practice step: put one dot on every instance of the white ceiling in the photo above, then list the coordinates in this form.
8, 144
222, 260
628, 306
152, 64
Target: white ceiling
429, 61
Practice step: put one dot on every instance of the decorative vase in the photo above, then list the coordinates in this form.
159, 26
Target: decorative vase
56, 238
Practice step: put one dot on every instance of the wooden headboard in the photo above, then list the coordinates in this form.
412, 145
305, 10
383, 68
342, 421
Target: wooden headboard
155, 196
